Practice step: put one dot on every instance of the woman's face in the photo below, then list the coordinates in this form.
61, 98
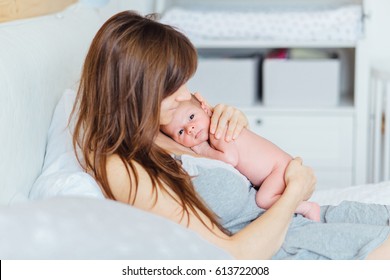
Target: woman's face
170, 104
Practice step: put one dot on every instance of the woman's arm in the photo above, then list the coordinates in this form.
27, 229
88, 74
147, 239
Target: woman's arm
260, 240
268, 232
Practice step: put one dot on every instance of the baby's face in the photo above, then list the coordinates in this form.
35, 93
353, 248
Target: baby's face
189, 126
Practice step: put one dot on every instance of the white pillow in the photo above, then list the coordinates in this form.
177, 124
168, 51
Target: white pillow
81, 228
61, 172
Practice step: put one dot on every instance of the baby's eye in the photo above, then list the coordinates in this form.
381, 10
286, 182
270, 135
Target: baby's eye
192, 116
181, 131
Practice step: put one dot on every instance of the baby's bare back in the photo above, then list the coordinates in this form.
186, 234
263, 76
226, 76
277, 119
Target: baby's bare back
258, 157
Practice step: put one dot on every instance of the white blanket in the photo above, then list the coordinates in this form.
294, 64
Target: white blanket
342, 23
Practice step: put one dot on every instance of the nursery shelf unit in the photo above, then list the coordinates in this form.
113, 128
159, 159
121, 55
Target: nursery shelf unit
333, 140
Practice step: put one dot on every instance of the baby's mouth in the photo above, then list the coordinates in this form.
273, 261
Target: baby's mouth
198, 134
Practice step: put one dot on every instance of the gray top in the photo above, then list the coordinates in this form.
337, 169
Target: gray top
348, 231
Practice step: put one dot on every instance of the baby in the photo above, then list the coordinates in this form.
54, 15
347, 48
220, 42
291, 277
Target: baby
262, 162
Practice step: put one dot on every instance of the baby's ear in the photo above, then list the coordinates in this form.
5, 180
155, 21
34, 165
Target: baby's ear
206, 108
198, 96
204, 105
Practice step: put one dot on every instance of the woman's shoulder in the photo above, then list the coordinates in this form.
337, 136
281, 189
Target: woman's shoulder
122, 179
118, 178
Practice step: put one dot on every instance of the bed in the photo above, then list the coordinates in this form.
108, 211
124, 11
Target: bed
49, 207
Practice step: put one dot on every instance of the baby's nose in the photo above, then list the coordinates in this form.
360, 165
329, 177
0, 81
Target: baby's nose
189, 129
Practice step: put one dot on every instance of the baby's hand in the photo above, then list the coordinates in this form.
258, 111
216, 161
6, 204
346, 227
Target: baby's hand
202, 148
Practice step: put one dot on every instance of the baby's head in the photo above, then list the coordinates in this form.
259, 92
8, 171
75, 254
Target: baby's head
190, 124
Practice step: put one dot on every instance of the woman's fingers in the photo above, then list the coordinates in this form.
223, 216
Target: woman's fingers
237, 122
300, 177
224, 116
220, 119
298, 160
229, 116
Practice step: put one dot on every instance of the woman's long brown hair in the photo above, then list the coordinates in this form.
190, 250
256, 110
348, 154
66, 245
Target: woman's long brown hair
133, 63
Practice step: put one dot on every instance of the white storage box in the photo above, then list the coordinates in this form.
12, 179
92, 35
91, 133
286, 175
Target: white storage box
232, 81
301, 83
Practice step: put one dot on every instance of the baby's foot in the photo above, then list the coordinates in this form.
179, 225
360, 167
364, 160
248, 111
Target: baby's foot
313, 213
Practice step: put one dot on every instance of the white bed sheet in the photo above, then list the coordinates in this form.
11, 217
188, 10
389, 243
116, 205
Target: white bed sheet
370, 193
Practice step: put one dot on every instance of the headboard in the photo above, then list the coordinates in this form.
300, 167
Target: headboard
39, 59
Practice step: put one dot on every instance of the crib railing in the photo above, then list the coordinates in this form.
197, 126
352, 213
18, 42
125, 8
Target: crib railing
379, 127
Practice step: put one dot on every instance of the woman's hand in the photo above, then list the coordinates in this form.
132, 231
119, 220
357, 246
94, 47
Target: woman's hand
224, 115
300, 179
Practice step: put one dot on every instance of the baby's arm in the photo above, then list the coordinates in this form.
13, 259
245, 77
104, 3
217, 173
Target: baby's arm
219, 149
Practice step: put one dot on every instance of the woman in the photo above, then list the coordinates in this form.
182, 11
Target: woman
133, 79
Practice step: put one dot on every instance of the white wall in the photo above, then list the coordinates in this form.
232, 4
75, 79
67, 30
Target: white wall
142, 6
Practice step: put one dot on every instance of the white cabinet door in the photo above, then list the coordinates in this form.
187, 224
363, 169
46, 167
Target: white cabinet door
325, 142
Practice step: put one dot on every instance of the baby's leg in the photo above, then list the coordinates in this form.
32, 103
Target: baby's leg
271, 189
310, 210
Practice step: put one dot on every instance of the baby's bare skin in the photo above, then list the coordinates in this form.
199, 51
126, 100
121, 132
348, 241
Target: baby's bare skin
261, 161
